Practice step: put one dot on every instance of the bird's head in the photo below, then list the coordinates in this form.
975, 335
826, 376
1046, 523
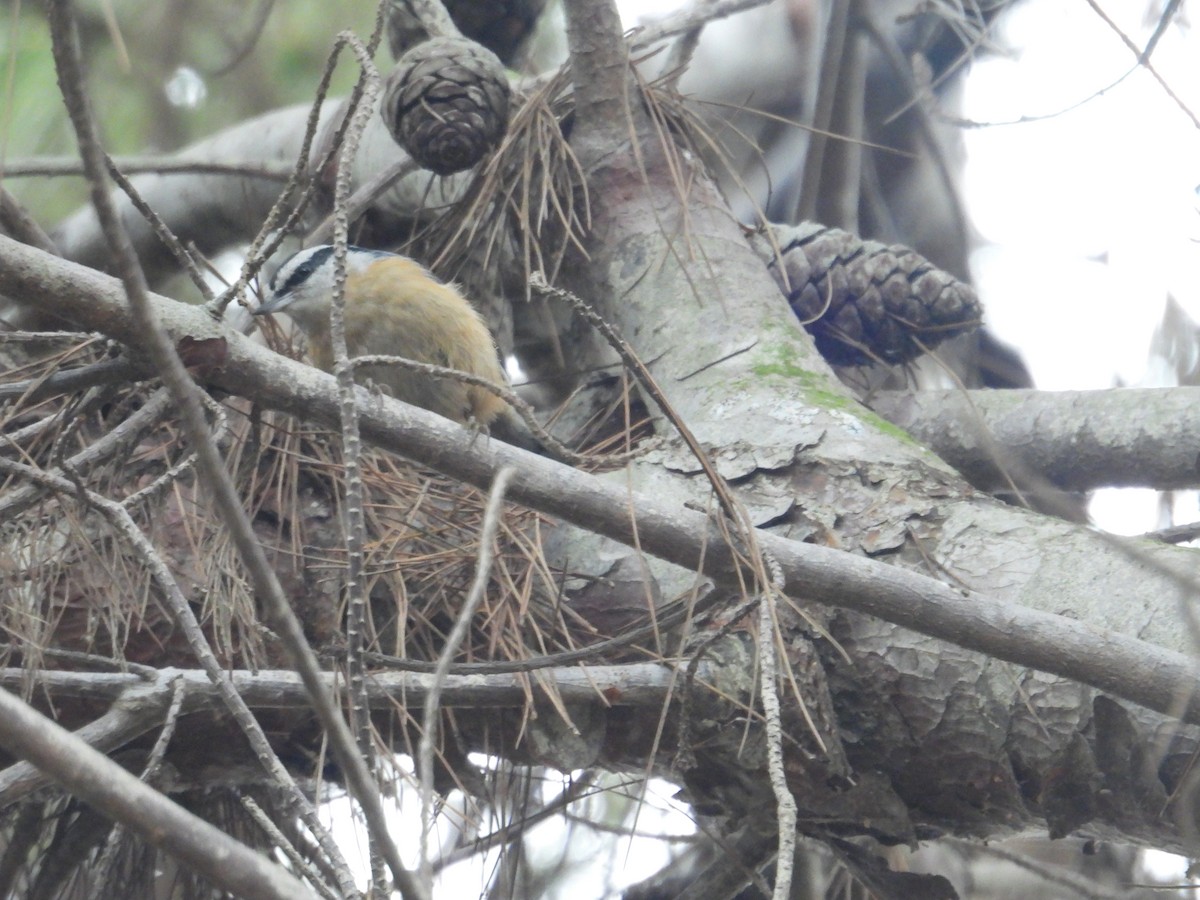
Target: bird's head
303, 286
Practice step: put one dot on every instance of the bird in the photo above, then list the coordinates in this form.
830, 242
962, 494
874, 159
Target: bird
394, 306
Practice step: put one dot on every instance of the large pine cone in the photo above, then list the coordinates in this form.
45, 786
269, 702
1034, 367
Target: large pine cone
865, 302
446, 103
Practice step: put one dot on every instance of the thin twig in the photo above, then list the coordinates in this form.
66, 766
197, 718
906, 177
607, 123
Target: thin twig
16, 221
90, 660
679, 58
101, 873
159, 750
50, 166
821, 99
161, 231
646, 381
261, 15
693, 16
39, 337
68, 381
280, 840
664, 619
885, 42
462, 624
431, 14
1143, 56
513, 831
1050, 873
1176, 534
768, 668
355, 526
360, 201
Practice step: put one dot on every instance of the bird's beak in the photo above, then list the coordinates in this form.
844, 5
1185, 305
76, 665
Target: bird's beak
273, 304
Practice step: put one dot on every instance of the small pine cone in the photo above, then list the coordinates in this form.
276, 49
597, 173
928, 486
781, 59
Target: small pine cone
446, 103
865, 302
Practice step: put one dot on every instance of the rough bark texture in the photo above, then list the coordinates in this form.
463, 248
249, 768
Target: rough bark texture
944, 739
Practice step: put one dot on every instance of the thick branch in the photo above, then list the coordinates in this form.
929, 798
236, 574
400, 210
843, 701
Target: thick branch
1077, 440
640, 685
600, 69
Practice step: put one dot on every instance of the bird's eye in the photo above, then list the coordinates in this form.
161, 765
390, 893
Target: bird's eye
303, 271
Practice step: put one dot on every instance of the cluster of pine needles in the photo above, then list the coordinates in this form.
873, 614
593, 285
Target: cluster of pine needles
75, 585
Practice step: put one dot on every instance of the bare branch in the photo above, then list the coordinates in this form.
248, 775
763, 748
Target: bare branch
16, 221
93, 777
137, 709
162, 165
280, 840
642, 685
66, 381
785, 803
1077, 440
690, 18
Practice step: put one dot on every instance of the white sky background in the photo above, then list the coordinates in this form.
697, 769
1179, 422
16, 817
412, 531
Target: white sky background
1088, 219
1091, 216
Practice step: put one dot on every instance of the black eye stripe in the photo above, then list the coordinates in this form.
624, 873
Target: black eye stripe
302, 271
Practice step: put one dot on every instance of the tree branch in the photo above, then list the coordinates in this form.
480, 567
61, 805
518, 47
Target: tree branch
137, 709
94, 778
640, 685
1077, 440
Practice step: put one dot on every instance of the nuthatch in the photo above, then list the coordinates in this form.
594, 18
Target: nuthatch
395, 307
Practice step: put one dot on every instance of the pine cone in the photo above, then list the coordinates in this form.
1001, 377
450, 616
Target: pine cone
446, 103
865, 302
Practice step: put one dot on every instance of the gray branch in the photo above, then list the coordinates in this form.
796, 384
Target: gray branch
94, 778
1076, 440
